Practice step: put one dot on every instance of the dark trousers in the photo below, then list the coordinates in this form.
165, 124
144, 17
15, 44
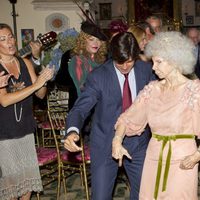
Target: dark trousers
104, 176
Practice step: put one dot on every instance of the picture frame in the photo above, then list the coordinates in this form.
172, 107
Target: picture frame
27, 35
189, 20
190, 11
105, 11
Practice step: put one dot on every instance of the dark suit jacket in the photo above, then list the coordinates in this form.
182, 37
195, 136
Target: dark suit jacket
102, 91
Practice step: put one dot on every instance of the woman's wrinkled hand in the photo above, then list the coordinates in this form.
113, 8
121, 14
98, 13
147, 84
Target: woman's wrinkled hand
118, 151
190, 161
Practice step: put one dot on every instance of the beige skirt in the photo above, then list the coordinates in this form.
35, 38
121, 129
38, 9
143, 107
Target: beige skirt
19, 167
181, 184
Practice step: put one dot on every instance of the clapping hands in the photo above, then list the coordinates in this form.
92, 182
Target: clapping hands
4, 79
45, 75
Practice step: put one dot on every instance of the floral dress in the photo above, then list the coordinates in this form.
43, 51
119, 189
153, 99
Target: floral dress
173, 116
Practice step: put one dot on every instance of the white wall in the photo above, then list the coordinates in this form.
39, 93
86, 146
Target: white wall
190, 13
119, 10
29, 18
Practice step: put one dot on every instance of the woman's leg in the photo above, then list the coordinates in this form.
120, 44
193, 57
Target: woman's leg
27, 196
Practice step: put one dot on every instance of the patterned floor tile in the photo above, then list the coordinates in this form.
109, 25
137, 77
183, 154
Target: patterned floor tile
76, 192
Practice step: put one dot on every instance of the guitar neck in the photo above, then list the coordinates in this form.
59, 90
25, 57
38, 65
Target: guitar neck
24, 51
46, 40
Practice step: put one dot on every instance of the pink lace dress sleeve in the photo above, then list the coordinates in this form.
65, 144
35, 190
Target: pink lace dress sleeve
135, 118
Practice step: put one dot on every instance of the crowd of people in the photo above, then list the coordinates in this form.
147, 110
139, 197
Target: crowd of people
140, 88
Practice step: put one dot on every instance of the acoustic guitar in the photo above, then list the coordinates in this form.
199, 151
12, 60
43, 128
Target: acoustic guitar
46, 40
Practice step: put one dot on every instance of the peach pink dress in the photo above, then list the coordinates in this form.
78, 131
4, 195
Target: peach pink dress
167, 113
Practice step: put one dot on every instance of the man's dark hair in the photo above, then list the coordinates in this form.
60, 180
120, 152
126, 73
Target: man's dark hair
123, 47
144, 25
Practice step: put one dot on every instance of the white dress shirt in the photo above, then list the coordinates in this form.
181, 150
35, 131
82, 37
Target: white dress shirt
121, 78
131, 80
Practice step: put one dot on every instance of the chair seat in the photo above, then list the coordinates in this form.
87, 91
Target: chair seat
44, 125
45, 155
75, 156
47, 125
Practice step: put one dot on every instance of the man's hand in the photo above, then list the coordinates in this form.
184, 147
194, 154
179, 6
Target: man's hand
70, 142
36, 49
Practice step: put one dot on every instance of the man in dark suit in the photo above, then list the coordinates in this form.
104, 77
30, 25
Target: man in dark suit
193, 34
103, 91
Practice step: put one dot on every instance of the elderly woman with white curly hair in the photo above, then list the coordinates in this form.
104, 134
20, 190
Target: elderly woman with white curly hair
171, 107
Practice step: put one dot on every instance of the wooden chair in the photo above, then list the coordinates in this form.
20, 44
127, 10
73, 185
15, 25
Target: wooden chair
48, 151
48, 165
69, 163
56, 99
47, 157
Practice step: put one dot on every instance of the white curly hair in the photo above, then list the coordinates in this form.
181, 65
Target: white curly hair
175, 48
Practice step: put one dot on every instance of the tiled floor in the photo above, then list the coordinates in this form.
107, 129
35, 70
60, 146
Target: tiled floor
76, 192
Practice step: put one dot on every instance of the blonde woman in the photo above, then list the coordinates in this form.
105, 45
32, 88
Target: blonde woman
89, 52
141, 38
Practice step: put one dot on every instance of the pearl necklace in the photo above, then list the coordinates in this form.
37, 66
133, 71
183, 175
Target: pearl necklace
18, 119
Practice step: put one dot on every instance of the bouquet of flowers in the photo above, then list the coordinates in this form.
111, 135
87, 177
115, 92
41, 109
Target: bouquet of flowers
65, 41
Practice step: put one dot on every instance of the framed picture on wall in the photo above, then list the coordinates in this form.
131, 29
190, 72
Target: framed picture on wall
105, 10
189, 20
27, 35
190, 12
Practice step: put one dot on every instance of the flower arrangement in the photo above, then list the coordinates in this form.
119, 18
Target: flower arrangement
65, 41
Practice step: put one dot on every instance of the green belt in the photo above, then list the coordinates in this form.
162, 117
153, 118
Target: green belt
165, 139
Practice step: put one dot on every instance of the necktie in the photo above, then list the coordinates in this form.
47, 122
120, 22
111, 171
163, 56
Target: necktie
126, 99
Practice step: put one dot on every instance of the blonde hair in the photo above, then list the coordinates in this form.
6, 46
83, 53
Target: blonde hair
80, 48
175, 48
137, 32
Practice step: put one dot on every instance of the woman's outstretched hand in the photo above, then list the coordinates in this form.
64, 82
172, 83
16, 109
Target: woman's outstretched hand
118, 151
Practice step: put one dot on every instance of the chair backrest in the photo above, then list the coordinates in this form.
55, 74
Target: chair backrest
57, 119
58, 99
68, 161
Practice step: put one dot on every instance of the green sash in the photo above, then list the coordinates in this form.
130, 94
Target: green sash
165, 140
